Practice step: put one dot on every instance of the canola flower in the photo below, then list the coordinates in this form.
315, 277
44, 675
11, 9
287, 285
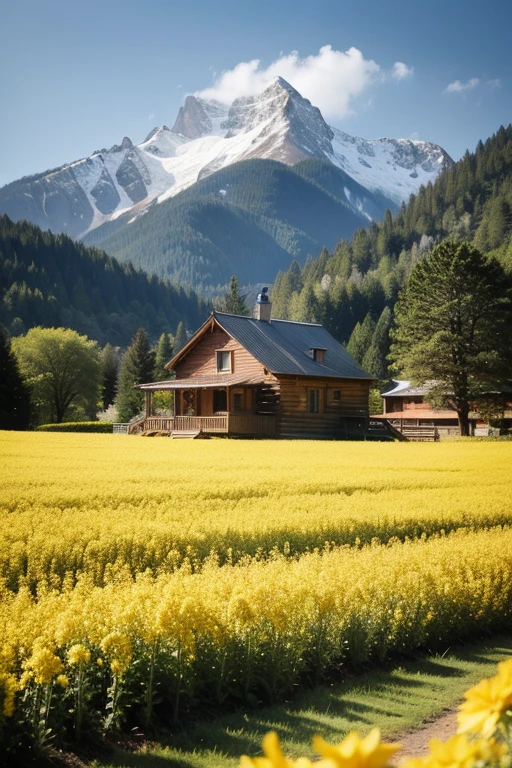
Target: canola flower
274, 757
352, 752
357, 752
487, 702
459, 751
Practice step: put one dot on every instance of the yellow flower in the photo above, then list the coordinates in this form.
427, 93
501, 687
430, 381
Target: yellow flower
62, 680
355, 752
459, 752
10, 686
487, 702
274, 757
44, 665
119, 648
79, 654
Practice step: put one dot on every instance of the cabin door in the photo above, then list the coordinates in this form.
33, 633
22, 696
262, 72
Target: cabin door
220, 400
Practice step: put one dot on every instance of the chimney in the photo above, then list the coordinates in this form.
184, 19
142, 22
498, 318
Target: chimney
263, 306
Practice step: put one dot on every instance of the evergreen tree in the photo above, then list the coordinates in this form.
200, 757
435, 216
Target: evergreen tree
374, 361
14, 395
361, 338
180, 339
137, 367
235, 301
109, 366
454, 327
164, 353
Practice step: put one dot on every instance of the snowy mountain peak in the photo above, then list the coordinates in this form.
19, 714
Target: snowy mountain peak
277, 124
199, 117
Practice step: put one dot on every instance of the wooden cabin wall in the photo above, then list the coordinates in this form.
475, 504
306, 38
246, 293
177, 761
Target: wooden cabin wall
202, 358
296, 421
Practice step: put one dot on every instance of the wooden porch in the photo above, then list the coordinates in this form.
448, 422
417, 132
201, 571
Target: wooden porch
223, 424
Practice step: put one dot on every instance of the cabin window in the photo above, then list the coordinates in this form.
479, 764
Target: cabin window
223, 361
314, 401
220, 400
334, 395
318, 355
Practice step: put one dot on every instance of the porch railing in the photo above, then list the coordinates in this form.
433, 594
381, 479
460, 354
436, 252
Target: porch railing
203, 423
235, 423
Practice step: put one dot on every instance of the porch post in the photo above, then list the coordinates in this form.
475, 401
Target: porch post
149, 403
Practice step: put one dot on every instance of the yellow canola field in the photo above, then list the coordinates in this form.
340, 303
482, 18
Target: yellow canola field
98, 504
144, 580
259, 629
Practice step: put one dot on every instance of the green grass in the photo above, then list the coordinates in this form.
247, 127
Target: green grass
396, 700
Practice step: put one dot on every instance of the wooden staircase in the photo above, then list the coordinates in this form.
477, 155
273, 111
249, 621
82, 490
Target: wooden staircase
190, 434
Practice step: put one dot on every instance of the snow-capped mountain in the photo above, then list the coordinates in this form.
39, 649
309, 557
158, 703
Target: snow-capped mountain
277, 124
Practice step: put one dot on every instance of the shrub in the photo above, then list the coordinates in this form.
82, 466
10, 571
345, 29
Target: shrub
77, 426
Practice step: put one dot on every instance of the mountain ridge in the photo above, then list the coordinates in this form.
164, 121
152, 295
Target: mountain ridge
277, 124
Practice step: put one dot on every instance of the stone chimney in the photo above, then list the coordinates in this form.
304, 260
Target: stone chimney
263, 306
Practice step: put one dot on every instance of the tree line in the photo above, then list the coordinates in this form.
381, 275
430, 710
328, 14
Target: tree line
353, 290
51, 281
52, 375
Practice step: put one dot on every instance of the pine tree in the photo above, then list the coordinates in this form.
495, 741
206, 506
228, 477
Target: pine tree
361, 338
109, 366
454, 327
137, 367
14, 395
374, 360
180, 338
164, 353
235, 301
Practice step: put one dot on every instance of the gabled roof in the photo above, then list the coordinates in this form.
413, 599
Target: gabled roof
285, 347
404, 389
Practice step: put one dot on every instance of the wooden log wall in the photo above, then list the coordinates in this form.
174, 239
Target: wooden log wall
295, 419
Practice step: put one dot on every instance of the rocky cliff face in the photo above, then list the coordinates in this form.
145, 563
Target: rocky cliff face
277, 124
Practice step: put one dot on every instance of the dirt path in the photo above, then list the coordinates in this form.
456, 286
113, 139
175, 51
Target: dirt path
415, 743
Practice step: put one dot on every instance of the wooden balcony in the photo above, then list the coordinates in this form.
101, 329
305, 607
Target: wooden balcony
226, 423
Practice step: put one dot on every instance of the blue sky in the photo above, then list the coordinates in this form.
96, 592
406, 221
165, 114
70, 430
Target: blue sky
78, 76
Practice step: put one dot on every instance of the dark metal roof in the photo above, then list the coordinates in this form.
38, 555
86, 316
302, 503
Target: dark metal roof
285, 347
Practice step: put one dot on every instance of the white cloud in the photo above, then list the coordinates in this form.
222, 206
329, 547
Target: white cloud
496, 83
459, 87
401, 71
151, 116
330, 80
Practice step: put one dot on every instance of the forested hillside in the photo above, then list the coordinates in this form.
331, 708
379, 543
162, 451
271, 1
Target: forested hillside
50, 280
353, 289
248, 219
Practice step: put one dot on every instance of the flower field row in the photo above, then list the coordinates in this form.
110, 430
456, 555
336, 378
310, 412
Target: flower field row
98, 504
89, 656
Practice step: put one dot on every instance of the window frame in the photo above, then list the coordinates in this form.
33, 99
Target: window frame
219, 355
314, 393
334, 395
318, 354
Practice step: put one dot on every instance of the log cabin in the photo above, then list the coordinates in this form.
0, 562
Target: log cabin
407, 409
262, 377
